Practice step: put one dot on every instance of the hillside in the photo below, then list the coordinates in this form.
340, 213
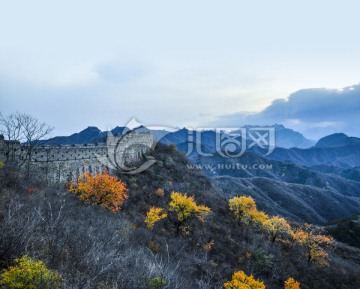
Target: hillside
322, 196
327, 190
346, 230
93, 248
302, 203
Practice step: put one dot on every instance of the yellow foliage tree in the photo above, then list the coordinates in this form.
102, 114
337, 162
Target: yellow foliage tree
154, 215
186, 208
291, 284
101, 189
244, 210
1, 165
29, 274
313, 244
259, 217
241, 281
278, 229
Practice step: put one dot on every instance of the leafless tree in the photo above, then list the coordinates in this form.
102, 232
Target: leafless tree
10, 126
24, 128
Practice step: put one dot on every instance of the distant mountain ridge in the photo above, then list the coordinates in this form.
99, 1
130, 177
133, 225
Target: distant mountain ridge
87, 136
337, 150
337, 140
288, 138
285, 137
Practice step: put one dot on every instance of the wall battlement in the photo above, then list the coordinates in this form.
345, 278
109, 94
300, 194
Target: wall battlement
66, 162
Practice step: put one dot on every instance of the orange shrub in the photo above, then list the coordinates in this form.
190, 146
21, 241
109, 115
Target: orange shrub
160, 192
101, 189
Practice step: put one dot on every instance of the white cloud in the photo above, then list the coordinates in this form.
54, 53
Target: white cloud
316, 112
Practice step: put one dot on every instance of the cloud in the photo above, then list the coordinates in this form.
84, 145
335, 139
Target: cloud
120, 72
315, 112
105, 94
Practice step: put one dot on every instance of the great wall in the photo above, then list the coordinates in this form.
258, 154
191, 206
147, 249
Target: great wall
59, 163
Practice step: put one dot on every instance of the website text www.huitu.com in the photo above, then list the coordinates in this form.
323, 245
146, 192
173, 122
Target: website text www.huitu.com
232, 166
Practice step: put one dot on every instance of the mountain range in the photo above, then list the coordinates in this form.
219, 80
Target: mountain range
285, 137
87, 136
337, 150
302, 180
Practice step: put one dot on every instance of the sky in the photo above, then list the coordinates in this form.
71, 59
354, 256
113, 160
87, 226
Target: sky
186, 63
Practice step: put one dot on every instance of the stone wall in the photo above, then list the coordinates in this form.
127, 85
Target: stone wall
64, 163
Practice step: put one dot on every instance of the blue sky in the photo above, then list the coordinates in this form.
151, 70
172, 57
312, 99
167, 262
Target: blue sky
189, 63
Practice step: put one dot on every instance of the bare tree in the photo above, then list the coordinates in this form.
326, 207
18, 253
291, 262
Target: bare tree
10, 127
24, 128
33, 131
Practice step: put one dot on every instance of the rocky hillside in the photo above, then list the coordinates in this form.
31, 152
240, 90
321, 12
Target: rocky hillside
297, 202
92, 247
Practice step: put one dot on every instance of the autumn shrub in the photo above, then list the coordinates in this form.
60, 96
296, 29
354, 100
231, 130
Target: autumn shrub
244, 210
154, 215
160, 192
29, 274
278, 229
240, 280
208, 246
314, 244
291, 284
186, 208
101, 189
